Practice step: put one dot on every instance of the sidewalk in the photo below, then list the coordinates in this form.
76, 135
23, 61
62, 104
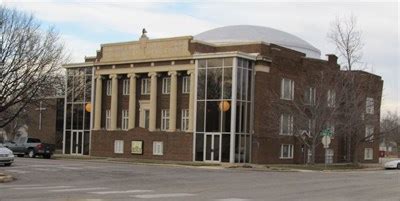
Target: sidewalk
254, 167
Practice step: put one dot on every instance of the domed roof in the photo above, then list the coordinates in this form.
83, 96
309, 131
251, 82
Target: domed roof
250, 33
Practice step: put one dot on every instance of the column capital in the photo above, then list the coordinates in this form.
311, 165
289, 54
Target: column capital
112, 76
132, 75
99, 77
151, 74
171, 73
189, 72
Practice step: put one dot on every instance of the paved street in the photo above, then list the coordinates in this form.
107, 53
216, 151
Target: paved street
40, 179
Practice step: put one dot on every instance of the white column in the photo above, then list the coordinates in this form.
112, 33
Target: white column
114, 101
97, 103
173, 100
153, 101
132, 101
233, 111
191, 100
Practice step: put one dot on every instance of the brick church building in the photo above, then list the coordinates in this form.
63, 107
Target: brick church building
214, 97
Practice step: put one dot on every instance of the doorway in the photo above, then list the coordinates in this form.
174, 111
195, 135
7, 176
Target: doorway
77, 138
212, 146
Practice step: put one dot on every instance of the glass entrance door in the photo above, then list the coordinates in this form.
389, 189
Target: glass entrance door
77, 142
212, 147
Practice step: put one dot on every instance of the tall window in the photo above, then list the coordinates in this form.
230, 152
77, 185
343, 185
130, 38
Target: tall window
286, 124
369, 105
124, 123
125, 87
286, 151
119, 146
166, 85
108, 119
309, 96
287, 89
108, 89
146, 118
331, 98
369, 132
164, 120
185, 120
158, 148
145, 86
368, 154
185, 84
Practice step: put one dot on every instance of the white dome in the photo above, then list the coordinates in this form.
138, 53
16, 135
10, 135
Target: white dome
249, 33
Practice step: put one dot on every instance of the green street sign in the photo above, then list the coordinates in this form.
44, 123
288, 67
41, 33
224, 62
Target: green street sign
327, 132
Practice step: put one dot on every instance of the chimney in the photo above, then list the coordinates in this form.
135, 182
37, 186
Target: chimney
332, 59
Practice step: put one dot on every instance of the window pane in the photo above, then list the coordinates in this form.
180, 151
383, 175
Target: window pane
213, 116
201, 84
199, 147
200, 116
214, 83
227, 83
228, 62
214, 63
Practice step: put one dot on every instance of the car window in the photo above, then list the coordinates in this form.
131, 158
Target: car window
33, 140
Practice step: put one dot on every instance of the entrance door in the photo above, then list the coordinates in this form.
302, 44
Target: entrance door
77, 143
212, 147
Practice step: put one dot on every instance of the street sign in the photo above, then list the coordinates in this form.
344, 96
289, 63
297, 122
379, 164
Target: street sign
327, 132
326, 140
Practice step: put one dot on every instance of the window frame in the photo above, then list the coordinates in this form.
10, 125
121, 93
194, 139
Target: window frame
185, 119
145, 86
369, 105
291, 89
368, 153
125, 87
124, 119
108, 119
289, 124
108, 88
118, 146
166, 85
185, 84
290, 151
165, 115
158, 148
369, 132
311, 99
331, 98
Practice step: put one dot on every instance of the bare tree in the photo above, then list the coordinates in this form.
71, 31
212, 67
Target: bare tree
390, 128
346, 36
30, 59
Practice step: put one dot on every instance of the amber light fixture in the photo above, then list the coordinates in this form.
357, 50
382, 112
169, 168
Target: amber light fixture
88, 107
224, 106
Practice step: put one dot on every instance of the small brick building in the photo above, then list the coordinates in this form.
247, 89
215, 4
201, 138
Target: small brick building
214, 97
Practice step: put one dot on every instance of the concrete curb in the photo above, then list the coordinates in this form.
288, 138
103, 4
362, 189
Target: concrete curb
5, 178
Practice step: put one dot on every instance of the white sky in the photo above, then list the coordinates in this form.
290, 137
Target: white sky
84, 25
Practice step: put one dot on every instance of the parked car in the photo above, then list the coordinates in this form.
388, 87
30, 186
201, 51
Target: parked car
392, 164
30, 146
6, 156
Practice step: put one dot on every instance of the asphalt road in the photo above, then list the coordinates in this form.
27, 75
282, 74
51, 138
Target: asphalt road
40, 179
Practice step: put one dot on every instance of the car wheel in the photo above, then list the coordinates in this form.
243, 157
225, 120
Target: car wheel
7, 164
47, 156
398, 165
31, 153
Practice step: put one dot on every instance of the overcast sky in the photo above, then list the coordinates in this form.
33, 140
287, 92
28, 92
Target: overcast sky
84, 25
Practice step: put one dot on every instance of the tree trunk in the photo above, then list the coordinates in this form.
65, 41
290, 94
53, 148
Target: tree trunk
312, 158
355, 154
